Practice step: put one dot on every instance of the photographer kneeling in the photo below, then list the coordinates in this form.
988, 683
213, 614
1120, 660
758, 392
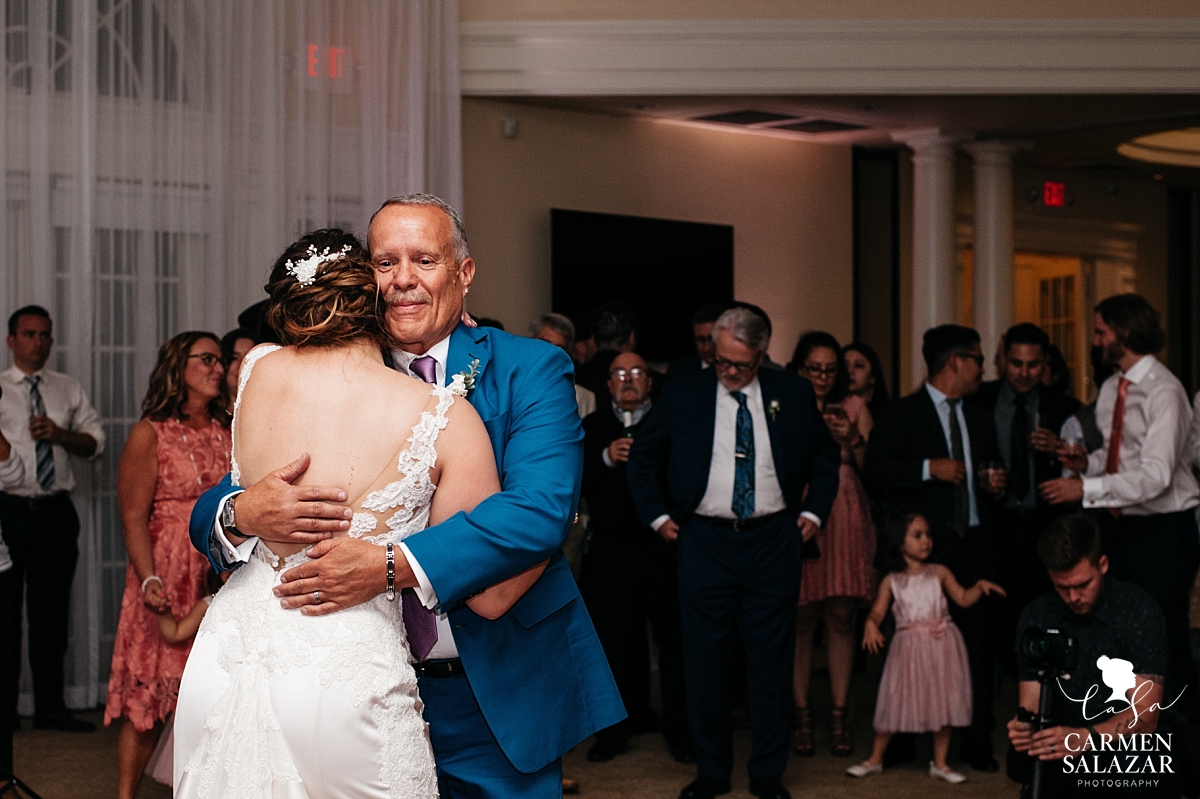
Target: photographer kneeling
1100, 646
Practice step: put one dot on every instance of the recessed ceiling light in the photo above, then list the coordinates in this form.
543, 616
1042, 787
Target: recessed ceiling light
1174, 147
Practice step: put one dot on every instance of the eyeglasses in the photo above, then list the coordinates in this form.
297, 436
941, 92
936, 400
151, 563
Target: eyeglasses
815, 370
625, 375
725, 364
207, 358
974, 356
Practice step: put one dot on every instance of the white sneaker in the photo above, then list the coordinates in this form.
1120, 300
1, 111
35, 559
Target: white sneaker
864, 769
946, 774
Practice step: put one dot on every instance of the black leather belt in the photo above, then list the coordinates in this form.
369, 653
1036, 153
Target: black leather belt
741, 524
33, 503
439, 668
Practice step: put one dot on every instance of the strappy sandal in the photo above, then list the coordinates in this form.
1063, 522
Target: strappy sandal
841, 743
803, 733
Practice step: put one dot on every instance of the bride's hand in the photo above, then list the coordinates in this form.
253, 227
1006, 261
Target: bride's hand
343, 572
275, 510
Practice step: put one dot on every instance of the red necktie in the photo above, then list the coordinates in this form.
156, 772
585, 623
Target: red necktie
1114, 439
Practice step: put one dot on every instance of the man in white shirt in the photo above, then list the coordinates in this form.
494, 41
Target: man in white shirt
47, 418
720, 465
1141, 479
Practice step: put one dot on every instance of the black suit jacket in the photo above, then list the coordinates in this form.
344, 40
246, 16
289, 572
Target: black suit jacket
610, 502
1053, 409
672, 453
908, 432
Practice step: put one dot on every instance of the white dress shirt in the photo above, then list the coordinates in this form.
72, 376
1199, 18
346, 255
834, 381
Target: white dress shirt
1154, 473
12, 472
942, 404
66, 404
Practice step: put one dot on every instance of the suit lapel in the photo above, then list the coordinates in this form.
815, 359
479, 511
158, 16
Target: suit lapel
706, 419
770, 393
933, 422
467, 346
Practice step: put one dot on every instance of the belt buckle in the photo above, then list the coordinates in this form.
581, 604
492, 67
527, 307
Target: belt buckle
737, 525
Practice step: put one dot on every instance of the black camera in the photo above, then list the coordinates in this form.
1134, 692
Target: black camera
1050, 650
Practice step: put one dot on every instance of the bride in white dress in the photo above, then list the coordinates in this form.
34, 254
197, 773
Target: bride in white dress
277, 704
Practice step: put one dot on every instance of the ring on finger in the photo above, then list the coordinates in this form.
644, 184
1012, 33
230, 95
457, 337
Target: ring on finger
316, 597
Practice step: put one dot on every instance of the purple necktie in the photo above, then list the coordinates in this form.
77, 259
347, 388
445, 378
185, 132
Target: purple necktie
419, 621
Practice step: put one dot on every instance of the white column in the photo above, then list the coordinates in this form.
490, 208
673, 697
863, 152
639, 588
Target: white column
934, 285
993, 262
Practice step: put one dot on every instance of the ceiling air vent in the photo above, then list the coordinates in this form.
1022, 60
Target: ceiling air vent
744, 117
817, 126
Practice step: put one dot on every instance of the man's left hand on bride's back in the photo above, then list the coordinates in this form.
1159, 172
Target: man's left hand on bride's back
344, 572
275, 510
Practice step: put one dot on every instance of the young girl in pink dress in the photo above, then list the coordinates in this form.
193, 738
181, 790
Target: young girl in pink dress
926, 685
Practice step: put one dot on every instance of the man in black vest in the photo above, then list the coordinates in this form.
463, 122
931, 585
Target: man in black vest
629, 572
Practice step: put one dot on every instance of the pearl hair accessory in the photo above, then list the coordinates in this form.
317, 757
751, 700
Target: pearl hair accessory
305, 271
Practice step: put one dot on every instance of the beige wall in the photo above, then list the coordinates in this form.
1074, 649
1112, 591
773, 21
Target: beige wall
525, 10
789, 203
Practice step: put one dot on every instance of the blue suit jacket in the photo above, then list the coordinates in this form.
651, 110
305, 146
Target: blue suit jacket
671, 456
538, 672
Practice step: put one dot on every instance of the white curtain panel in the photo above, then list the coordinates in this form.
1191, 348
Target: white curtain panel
157, 155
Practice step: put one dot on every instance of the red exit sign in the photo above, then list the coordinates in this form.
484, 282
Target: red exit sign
1054, 194
326, 62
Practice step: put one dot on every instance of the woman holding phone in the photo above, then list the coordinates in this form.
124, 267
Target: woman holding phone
842, 578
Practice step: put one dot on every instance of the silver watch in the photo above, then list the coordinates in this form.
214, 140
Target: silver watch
228, 520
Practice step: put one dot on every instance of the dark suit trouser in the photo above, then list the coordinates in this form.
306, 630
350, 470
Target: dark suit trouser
1160, 554
10, 654
971, 558
43, 539
1019, 571
748, 580
627, 582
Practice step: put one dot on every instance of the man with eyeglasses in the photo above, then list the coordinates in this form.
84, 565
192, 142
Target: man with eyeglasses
47, 418
629, 573
721, 465
927, 455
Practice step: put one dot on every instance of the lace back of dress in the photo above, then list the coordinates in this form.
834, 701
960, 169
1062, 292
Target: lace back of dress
235, 472
408, 498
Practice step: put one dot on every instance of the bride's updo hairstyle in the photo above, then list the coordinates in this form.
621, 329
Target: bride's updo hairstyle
323, 292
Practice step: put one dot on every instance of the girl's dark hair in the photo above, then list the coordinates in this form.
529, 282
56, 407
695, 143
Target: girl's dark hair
341, 302
810, 341
1060, 372
895, 528
167, 393
230, 339
879, 391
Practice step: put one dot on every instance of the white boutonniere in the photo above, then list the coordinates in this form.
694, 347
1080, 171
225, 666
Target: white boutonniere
463, 382
773, 408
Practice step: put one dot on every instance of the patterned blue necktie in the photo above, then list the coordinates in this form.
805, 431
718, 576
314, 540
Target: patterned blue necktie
743, 466
43, 450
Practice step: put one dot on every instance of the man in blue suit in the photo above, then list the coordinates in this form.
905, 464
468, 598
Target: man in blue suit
721, 465
506, 698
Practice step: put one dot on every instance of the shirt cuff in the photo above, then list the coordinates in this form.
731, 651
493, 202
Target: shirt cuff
424, 588
225, 549
925, 476
607, 460
659, 522
1093, 494
814, 518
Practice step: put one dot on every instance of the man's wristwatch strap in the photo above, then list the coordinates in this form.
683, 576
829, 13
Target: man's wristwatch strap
228, 516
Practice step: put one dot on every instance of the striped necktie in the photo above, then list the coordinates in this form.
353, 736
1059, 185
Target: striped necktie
43, 448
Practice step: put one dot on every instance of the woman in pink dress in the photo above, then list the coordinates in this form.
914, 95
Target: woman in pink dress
835, 584
179, 449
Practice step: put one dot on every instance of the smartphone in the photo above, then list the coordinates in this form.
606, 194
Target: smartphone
835, 410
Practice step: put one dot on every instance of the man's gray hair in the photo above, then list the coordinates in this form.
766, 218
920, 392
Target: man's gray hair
458, 233
557, 322
746, 326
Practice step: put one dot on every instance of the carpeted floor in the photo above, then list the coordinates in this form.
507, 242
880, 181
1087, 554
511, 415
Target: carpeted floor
66, 766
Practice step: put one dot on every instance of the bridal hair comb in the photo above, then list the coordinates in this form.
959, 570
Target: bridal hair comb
305, 271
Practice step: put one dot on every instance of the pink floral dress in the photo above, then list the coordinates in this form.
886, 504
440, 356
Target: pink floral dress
144, 682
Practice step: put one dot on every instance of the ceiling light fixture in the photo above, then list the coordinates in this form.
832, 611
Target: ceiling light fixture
1173, 147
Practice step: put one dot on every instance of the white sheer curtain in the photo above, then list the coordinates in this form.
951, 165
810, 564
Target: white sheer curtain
156, 155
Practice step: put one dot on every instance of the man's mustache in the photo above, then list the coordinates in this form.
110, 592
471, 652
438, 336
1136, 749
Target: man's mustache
406, 297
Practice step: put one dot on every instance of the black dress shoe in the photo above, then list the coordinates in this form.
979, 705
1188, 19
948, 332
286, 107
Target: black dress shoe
62, 721
769, 788
705, 788
988, 765
682, 753
604, 750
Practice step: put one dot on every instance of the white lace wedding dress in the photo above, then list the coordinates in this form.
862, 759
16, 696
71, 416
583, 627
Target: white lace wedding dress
277, 705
